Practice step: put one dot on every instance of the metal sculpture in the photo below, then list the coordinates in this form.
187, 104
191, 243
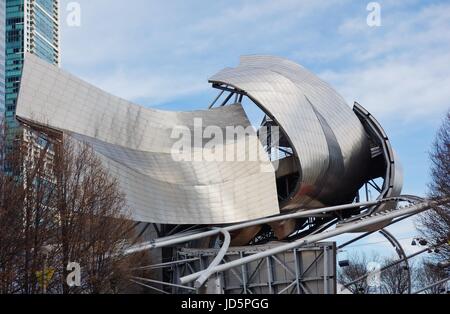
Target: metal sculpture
329, 152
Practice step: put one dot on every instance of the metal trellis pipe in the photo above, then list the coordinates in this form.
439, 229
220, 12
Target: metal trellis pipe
312, 239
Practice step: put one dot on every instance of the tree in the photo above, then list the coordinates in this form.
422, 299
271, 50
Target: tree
394, 279
23, 220
93, 225
60, 205
435, 223
428, 274
357, 268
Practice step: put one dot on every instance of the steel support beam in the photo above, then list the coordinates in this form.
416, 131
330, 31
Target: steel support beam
315, 238
181, 238
432, 285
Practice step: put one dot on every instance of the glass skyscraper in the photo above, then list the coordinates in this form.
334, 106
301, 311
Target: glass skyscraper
2, 57
33, 26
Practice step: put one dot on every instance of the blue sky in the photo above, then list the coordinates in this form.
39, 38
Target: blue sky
161, 53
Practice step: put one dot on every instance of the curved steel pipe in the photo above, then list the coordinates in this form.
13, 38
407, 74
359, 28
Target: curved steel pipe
186, 238
313, 238
216, 261
400, 251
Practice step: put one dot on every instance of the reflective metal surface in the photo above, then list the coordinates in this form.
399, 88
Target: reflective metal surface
135, 144
329, 141
335, 149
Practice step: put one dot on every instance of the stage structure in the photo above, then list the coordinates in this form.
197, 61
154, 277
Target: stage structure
315, 156
310, 269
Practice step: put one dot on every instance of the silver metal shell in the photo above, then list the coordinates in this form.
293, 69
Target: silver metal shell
329, 140
135, 145
333, 145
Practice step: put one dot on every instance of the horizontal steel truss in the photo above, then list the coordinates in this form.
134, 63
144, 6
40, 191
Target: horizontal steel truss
368, 221
273, 274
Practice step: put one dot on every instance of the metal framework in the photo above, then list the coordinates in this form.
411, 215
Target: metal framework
135, 145
329, 152
305, 270
191, 257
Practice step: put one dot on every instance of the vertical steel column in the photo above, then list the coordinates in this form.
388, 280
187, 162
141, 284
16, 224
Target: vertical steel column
177, 272
244, 273
325, 270
297, 271
269, 274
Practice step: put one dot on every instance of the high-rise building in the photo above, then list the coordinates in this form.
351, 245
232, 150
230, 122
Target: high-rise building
2, 57
33, 26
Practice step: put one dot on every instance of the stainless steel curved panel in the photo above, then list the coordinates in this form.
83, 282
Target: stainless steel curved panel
135, 144
393, 171
329, 140
330, 143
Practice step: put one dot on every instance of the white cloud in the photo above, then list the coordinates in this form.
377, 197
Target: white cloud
404, 89
164, 51
149, 88
401, 70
